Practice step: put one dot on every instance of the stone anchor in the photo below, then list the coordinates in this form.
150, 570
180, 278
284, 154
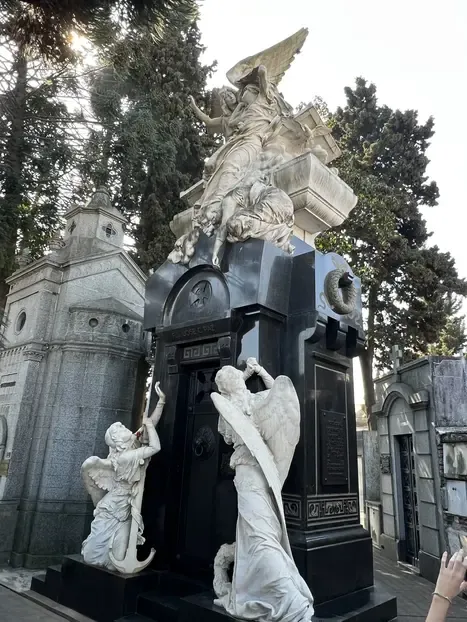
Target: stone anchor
130, 563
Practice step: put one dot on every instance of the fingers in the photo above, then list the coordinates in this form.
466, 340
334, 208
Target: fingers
451, 561
444, 559
458, 559
464, 586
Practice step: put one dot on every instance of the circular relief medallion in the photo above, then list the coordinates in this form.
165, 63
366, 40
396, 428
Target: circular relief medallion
200, 294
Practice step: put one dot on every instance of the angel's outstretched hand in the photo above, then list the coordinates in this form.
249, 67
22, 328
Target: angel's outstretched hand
253, 366
159, 391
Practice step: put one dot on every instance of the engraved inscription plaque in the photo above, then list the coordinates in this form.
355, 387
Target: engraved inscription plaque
334, 448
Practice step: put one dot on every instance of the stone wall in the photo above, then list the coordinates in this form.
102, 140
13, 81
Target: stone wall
75, 350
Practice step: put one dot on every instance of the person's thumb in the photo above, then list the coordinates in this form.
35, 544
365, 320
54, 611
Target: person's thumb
464, 586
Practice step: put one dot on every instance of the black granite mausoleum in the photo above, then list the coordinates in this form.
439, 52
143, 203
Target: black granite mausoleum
265, 304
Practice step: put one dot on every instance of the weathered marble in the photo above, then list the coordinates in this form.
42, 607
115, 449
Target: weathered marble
264, 429
320, 198
243, 191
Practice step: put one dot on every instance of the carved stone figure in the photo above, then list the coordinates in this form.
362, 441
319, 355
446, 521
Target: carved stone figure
264, 429
116, 486
224, 102
257, 209
251, 120
184, 247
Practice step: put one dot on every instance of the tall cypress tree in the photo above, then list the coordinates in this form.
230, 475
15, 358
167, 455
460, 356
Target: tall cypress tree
149, 146
408, 287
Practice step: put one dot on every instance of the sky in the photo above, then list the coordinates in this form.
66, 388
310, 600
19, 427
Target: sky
414, 51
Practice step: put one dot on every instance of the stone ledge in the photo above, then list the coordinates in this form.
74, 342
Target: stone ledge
321, 199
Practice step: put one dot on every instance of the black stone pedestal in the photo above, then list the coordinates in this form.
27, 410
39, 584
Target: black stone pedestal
369, 605
99, 594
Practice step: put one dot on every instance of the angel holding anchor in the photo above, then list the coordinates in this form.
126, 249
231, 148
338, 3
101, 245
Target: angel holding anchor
264, 429
116, 486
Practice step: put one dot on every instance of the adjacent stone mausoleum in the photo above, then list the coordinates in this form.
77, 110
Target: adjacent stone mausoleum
422, 429
74, 344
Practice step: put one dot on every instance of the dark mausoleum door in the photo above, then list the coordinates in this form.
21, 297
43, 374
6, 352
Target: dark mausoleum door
208, 509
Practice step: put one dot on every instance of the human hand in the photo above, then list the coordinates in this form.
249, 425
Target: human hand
253, 366
191, 101
159, 391
451, 579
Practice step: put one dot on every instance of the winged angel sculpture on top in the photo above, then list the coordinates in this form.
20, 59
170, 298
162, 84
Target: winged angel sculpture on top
258, 127
116, 486
264, 429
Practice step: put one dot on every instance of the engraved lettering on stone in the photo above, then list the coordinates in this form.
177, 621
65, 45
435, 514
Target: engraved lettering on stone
334, 448
195, 331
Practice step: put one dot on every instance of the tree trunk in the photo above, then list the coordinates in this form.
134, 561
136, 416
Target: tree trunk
367, 359
13, 185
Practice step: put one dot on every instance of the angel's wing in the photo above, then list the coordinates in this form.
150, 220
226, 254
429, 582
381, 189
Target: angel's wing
277, 59
98, 477
246, 430
278, 419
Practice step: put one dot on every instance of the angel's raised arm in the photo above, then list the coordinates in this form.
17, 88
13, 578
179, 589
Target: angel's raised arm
154, 444
215, 123
158, 410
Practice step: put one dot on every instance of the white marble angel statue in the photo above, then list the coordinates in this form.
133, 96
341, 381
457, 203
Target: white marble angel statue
264, 429
116, 486
248, 129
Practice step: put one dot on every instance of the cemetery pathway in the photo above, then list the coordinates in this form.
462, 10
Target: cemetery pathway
413, 592
16, 608
413, 597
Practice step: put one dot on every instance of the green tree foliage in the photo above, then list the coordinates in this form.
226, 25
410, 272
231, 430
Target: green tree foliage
148, 145
452, 339
407, 287
46, 25
36, 147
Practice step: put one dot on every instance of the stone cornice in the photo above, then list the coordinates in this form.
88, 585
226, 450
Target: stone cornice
91, 346
417, 400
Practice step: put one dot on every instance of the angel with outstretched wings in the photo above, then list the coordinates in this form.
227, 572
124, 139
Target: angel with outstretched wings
264, 429
250, 118
116, 486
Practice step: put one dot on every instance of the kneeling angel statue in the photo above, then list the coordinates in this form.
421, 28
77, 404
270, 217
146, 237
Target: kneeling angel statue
264, 429
116, 486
